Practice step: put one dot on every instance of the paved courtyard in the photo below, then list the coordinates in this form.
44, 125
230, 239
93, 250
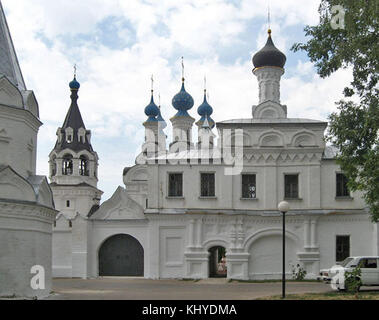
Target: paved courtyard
144, 289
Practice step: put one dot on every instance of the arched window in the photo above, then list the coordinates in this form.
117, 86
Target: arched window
83, 166
67, 165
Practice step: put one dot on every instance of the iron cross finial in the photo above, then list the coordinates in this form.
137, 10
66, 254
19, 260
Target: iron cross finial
183, 69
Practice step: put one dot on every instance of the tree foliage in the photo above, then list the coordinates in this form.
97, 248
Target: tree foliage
353, 280
354, 128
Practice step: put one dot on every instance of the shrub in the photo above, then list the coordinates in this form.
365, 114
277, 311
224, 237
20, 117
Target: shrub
298, 273
353, 280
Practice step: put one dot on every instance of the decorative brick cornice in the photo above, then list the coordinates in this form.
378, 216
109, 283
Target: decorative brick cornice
31, 211
21, 115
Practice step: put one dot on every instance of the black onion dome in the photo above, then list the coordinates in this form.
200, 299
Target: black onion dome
269, 55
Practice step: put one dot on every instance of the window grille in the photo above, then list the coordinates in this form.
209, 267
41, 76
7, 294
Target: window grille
342, 247
249, 189
207, 184
291, 186
341, 186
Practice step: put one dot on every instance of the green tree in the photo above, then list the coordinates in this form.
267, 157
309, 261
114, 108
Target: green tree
354, 128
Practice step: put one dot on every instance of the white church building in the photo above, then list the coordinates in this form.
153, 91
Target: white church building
208, 208
26, 201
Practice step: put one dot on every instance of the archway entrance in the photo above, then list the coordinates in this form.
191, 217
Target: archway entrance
217, 262
121, 255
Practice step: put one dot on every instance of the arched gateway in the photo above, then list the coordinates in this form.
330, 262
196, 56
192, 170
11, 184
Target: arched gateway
121, 255
217, 262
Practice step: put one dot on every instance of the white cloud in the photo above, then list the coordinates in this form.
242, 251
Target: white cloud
116, 82
314, 98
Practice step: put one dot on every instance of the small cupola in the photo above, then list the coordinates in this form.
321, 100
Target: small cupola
74, 84
152, 110
269, 55
182, 102
205, 111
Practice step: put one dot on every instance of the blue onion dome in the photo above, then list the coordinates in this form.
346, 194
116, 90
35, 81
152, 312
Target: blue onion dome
74, 84
160, 118
269, 55
152, 110
182, 102
205, 108
205, 111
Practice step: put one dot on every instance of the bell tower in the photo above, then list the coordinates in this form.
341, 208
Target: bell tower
74, 177
73, 160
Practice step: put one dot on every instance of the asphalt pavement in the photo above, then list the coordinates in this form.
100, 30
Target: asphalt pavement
111, 288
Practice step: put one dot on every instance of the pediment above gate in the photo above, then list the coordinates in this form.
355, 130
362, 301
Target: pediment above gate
119, 207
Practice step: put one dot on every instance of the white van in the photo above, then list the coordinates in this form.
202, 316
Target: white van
369, 271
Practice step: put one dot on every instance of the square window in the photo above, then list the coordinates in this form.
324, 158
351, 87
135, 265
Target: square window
291, 186
342, 247
249, 190
341, 186
207, 184
175, 185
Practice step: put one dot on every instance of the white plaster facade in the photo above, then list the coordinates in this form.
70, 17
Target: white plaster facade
176, 233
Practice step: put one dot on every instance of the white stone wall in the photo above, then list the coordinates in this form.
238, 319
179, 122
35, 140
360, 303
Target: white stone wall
71, 245
25, 237
358, 227
329, 170
18, 140
317, 188
176, 246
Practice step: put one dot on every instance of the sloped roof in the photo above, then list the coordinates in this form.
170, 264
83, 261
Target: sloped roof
75, 121
35, 189
73, 118
9, 65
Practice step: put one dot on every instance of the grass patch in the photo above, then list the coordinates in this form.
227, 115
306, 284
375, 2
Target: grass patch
373, 295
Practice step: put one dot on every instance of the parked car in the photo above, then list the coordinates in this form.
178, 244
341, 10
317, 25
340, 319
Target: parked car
328, 274
369, 266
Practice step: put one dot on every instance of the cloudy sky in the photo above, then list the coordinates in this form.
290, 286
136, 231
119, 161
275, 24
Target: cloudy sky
118, 44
